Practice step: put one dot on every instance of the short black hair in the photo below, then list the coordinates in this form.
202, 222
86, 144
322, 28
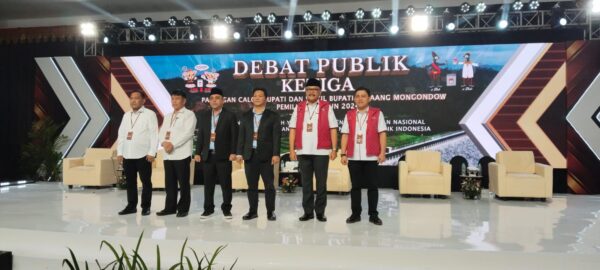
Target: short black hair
362, 88
260, 89
142, 94
178, 93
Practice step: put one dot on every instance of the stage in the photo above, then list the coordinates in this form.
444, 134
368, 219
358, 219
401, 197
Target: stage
39, 221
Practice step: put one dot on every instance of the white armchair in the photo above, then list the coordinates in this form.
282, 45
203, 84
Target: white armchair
515, 174
423, 173
96, 168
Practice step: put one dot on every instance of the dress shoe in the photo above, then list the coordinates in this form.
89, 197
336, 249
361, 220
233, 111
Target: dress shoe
227, 215
375, 220
207, 214
271, 216
353, 219
146, 212
306, 217
182, 214
165, 213
321, 217
127, 211
249, 216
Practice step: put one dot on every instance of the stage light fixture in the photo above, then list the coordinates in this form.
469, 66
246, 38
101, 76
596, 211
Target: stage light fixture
172, 21
326, 15
187, 20
359, 14
307, 16
394, 29
341, 31
88, 29
449, 20
562, 21
106, 40
517, 5
287, 34
465, 7
480, 7
228, 19
419, 23
534, 4
132, 23
595, 6
215, 19
220, 31
192, 37
376, 13
502, 24
410, 10
152, 37
450, 26
428, 9
258, 18
148, 22
272, 17
237, 35
557, 17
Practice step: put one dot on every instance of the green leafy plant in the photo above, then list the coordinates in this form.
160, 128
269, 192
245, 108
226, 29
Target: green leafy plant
288, 184
471, 188
132, 261
40, 158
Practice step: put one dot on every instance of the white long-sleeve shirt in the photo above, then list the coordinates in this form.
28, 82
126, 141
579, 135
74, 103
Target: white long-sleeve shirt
138, 134
181, 126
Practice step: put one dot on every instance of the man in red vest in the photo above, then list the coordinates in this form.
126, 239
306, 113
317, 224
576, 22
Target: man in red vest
363, 147
313, 142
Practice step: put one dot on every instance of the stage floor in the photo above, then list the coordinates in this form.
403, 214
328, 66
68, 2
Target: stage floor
39, 221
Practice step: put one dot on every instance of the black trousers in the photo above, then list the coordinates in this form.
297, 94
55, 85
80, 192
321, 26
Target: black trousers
177, 172
217, 171
362, 175
254, 169
316, 165
131, 168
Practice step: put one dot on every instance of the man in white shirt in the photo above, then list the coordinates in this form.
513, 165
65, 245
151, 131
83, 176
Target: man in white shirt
313, 142
136, 148
363, 147
176, 136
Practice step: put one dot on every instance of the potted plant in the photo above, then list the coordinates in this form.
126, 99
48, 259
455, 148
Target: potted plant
471, 188
40, 158
289, 184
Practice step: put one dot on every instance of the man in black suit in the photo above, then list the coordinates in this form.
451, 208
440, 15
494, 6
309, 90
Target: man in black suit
216, 146
258, 145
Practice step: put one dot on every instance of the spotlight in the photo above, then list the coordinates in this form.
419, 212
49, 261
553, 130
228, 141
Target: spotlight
132, 23
192, 37
105, 40
272, 17
376, 13
465, 7
359, 14
148, 22
428, 9
450, 26
562, 21
534, 4
341, 31
220, 32
342, 25
419, 23
410, 10
307, 16
237, 35
480, 7
326, 15
394, 29
172, 21
557, 17
88, 29
258, 18
517, 5
187, 20
595, 6
287, 34
152, 37
502, 24
228, 19
449, 20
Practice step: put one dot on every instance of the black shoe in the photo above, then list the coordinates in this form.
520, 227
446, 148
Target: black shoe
249, 216
127, 211
353, 219
165, 213
182, 214
375, 220
271, 216
146, 212
321, 217
306, 217
227, 215
207, 214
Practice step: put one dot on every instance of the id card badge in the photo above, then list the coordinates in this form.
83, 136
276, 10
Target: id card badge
129, 135
168, 135
309, 127
213, 136
255, 136
359, 139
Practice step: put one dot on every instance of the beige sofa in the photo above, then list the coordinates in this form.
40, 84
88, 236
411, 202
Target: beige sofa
424, 173
515, 174
238, 177
158, 172
96, 168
